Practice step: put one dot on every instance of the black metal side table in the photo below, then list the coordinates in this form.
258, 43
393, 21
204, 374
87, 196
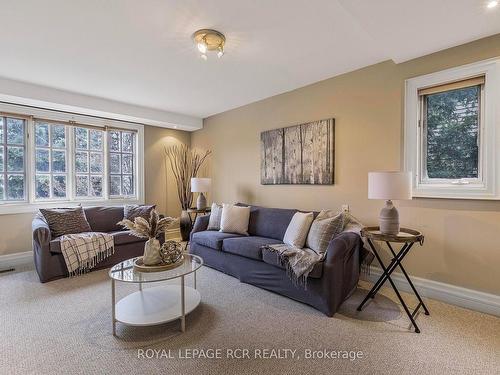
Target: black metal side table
196, 212
408, 237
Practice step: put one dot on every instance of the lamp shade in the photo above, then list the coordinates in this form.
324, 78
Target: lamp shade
389, 185
200, 185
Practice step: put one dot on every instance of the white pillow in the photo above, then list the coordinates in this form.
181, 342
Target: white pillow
234, 219
297, 230
215, 216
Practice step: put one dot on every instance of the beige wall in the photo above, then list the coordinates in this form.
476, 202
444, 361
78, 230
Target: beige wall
461, 245
159, 181
15, 230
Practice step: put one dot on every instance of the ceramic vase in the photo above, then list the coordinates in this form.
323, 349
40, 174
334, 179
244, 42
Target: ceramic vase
152, 254
185, 225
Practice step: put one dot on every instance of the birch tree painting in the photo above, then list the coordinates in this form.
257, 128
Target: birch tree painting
300, 154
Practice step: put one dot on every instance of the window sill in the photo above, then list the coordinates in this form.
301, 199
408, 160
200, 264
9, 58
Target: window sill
24, 207
457, 193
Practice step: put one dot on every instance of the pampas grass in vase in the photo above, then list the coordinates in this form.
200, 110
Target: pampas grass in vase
151, 229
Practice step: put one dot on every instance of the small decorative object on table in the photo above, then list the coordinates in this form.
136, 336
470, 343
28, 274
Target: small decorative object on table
151, 229
171, 257
171, 252
408, 237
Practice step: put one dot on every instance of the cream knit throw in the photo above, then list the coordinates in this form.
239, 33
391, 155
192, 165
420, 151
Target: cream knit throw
300, 262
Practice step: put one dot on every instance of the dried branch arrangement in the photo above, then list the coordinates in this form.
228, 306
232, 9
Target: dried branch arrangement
143, 228
185, 163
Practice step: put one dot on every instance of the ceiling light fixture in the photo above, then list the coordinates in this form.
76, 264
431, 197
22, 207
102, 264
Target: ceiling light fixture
209, 40
492, 3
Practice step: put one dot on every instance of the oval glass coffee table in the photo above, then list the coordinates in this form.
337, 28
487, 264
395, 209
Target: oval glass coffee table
158, 304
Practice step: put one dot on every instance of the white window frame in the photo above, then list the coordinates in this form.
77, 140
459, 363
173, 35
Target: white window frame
89, 174
26, 158
487, 187
31, 148
107, 157
31, 205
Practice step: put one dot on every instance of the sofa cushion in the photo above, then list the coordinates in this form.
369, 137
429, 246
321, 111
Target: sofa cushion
123, 237
269, 222
66, 220
211, 239
234, 219
215, 217
133, 211
249, 247
297, 230
55, 245
271, 257
104, 219
327, 225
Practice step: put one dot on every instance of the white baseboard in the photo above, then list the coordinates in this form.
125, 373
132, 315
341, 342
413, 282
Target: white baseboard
463, 297
16, 260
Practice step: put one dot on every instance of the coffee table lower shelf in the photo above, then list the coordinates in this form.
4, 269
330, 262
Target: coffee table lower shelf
156, 305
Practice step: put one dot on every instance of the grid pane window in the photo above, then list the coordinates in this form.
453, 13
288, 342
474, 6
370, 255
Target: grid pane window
89, 163
12, 159
51, 162
452, 133
122, 153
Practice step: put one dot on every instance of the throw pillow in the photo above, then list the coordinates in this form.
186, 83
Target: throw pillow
215, 217
234, 219
131, 211
327, 225
297, 230
66, 221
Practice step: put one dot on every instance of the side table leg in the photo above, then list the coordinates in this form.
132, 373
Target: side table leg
388, 276
183, 307
194, 276
394, 263
409, 282
113, 305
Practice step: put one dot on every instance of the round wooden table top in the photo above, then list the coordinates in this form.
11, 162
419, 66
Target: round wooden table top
404, 235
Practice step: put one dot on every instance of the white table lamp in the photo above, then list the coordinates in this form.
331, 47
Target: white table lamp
201, 185
389, 186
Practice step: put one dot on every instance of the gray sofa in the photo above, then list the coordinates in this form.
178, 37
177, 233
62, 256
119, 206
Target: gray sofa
328, 285
49, 261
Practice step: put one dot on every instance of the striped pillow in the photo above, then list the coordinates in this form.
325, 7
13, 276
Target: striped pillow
327, 225
66, 220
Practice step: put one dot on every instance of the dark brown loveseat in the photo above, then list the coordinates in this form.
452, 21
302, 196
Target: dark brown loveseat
49, 261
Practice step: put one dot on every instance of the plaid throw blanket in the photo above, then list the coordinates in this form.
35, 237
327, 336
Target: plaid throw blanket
83, 251
300, 262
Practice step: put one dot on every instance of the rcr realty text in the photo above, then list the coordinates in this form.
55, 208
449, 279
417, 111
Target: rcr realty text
246, 353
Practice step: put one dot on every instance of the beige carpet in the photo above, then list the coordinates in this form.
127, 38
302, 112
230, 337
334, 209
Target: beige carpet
64, 327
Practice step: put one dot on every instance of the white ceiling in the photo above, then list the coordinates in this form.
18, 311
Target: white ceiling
141, 52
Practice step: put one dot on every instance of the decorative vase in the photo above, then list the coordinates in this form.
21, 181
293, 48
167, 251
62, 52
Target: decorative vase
152, 254
185, 225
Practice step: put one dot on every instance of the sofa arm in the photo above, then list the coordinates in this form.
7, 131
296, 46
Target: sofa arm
343, 247
200, 224
41, 231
